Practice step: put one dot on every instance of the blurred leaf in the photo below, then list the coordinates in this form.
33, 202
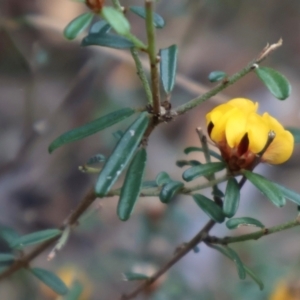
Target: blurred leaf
51, 280
277, 84
140, 11
121, 155
107, 40
198, 149
96, 159
213, 210
100, 27
149, 184
162, 178
168, 66
289, 194
6, 257
132, 185
216, 76
116, 20
9, 235
130, 276
255, 278
231, 254
232, 198
36, 237
75, 291
183, 163
267, 187
296, 133
91, 128
202, 170
169, 190
118, 134
76, 26
245, 221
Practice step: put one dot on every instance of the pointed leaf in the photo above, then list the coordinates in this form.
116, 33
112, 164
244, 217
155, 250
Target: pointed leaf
232, 198
100, 27
9, 235
254, 277
169, 190
213, 210
158, 21
268, 188
183, 163
277, 84
162, 178
130, 276
216, 76
121, 155
198, 149
289, 194
245, 221
51, 280
91, 128
116, 20
168, 66
132, 185
76, 26
107, 40
202, 170
296, 133
5, 257
36, 237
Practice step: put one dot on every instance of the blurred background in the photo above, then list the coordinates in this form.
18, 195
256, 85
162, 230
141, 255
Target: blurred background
49, 85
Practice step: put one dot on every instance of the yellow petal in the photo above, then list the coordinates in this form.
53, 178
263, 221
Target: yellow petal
244, 104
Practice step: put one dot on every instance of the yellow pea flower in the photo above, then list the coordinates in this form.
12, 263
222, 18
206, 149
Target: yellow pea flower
241, 134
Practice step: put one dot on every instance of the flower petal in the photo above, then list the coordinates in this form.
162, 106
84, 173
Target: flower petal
244, 104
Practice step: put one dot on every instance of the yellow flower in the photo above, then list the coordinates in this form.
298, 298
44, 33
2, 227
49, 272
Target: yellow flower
241, 134
285, 291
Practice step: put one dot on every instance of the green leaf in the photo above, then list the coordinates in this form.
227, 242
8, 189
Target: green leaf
76, 26
100, 27
4, 257
118, 134
212, 153
162, 178
296, 133
158, 21
75, 291
183, 163
213, 210
107, 40
231, 254
116, 20
36, 237
9, 235
121, 155
216, 76
51, 280
254, 277
91, 128
268, 188
132, 185
169, 190
245, 221
289, 194
168, 66
202, 170
98, 158
130, 276
232, 198
277, 84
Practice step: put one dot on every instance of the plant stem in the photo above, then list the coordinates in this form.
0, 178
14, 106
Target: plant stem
141, 74
151, 50
211, 183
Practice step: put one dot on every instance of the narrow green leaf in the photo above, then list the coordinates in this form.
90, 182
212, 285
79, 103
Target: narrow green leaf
216, 76
169, 190
158, 21
75, 291
9, 235
4, 257
168, 66
116, 20
162, 178
107, 40
245, 221
277, 84
76, 26
296, 133
254, 277
183, 163
121, 155
132, 185
36, 237
213, 210
130, 276
268, 188
232, 198
202, 170
51, 280
91, 128
231, 254
212, 153
100, 27
289, 194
